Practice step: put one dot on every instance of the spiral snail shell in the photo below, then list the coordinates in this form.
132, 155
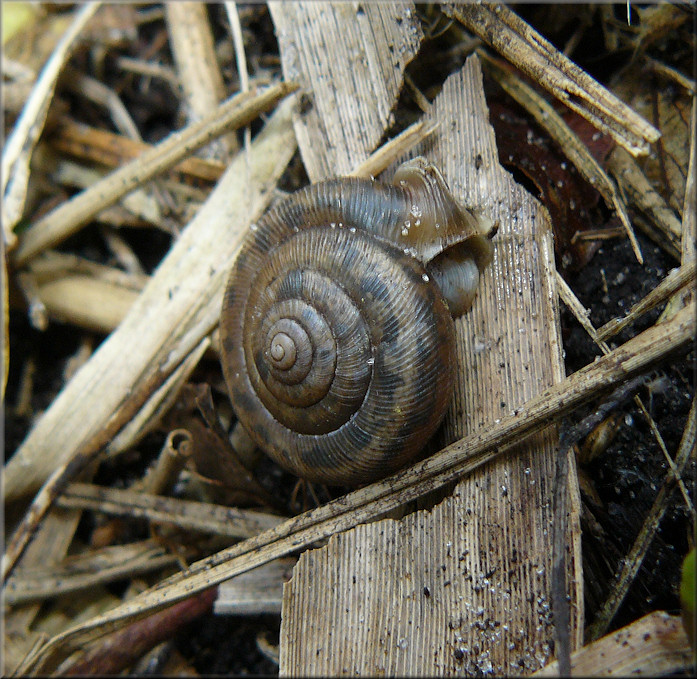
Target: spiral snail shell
337, 343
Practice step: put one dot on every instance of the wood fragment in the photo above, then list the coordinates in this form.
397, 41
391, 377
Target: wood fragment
653, 646
122, 649
53, 264
634, 357
524, 47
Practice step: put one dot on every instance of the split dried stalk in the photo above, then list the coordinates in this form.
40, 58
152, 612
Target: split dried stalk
524, 47
70, 216
184, 514
632, 358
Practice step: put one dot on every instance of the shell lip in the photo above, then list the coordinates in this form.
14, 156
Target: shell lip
437, 221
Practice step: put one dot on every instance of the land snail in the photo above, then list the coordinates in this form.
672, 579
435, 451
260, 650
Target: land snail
337, 334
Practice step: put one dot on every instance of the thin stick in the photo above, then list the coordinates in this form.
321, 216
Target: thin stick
560, 603
674, 281
393, 149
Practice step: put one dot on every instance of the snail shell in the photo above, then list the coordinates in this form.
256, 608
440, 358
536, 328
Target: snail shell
337, 344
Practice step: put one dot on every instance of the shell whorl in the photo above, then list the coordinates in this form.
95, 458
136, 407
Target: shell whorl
337, 346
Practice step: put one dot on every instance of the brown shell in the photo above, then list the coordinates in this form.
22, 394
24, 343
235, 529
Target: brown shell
338, 348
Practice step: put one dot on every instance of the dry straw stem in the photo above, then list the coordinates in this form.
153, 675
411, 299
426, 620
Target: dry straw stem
634, 357
193, 49
87, 570
179, 307
653, 646
159, 403
662, 225
676, 280
27, 130
567, 140
395, 148
87, 302
66, 219
689, 212
188, 515
163, 474
52, 265
524, 47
